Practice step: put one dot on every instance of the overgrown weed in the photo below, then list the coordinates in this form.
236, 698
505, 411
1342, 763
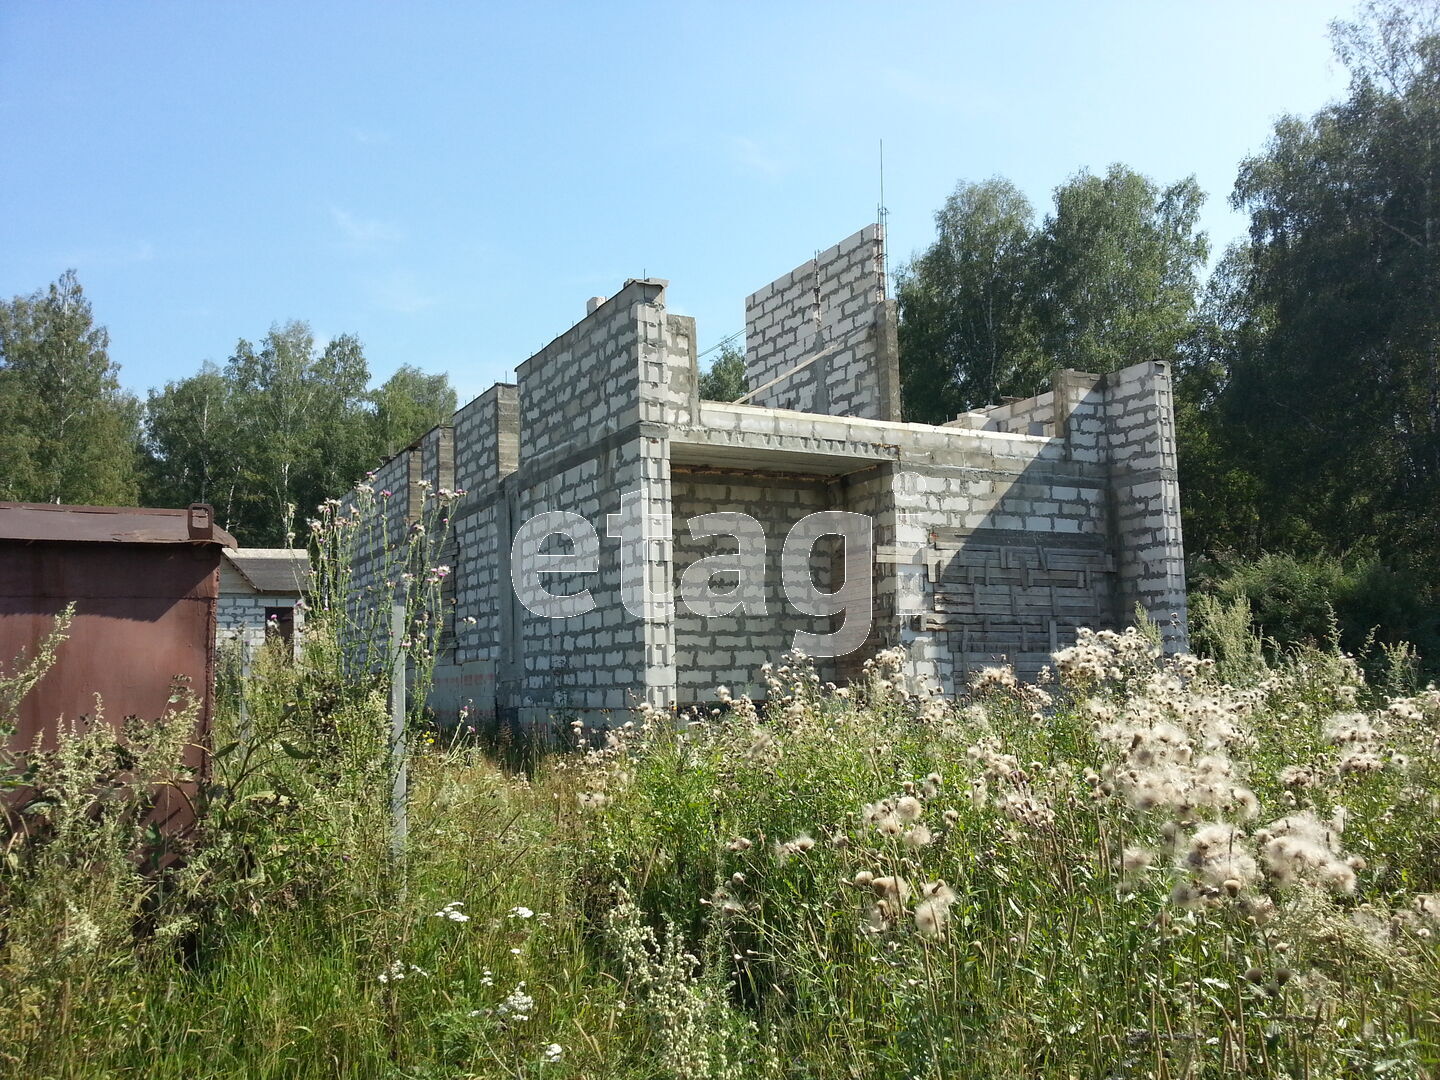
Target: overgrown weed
1137, 866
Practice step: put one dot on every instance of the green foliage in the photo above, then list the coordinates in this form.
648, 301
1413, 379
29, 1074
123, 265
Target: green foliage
1223, 495
80, 874
407, 405
68, 433
1062, 912
967, 324
25, 672
1360, 605
725, 381
283, 426
1118, 262
194, 451
997, 303
301, 424
1292, 600
1224, 631
1322, 350
294, 834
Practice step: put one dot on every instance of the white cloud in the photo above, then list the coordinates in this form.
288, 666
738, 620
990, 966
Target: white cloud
363, 234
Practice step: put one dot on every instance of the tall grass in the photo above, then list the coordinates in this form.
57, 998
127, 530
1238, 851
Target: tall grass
1134, 868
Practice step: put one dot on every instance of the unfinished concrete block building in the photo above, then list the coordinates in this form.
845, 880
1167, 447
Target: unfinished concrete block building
996, 535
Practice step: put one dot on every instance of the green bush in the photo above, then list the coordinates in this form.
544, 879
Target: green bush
1362, 605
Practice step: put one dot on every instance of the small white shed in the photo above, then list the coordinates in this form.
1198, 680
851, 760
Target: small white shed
260, 589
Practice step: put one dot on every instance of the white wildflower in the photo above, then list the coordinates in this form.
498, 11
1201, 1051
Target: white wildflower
451, 911
518, 1006
399, 970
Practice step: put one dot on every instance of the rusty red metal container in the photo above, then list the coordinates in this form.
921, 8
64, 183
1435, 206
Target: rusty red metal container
145, 585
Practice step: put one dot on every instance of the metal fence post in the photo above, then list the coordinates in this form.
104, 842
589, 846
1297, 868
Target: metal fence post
399, 825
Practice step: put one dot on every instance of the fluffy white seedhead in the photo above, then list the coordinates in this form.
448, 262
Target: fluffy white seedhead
1302, 848
917, 836
1219, 856
933, 912
909, 809
892, 888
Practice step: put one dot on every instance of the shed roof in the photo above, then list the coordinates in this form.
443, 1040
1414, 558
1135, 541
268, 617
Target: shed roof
273, 570
111, 524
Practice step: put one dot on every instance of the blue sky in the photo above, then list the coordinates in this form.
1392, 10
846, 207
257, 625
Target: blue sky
452, 181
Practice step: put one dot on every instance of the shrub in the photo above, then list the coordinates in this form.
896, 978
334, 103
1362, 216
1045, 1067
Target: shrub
1360, 605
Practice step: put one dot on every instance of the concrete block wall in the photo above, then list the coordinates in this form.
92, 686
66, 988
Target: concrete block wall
482, 583
593, 407
394, 493
590, 413
487, 449
1082, 416
1030, 416
871, 492
1140, 441
944, 503
670, 380
437, 457
833, 304
436, 462
991, 547
585, 663
1016, 562
994, 546
587, 381
385, 528
398, 500
1124, 422
657, 620
240, 611
988, 557
728, 650
996, 535
487, 439
240, 617
1000, 550
1049, 413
